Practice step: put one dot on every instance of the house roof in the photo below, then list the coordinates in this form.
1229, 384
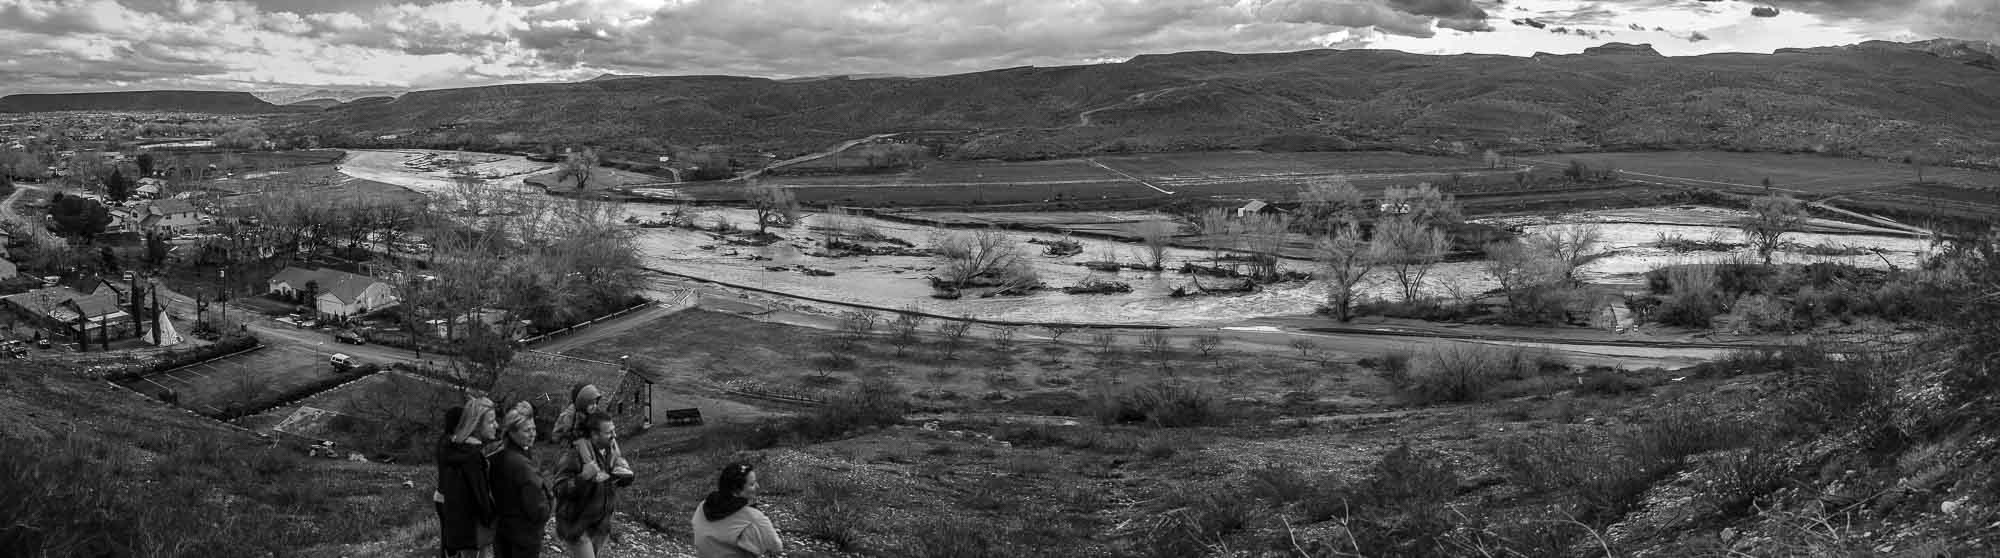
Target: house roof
104, 302
342, 285
1255, 205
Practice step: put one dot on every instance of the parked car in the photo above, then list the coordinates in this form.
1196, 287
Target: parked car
288, 321
342, 362
14, 349
350, 337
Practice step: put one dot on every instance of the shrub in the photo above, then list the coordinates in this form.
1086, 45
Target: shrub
1397, 509
831, 511
1163, 404
1765, 313
1760, 360
1608, 383
954, 536
1466, 372
1190, 522
1738, 478
1423, 309
1857, 391
1693, 297
1598, 485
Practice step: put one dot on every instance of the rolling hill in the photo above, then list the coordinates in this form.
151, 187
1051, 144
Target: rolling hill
221, 102
1872, 99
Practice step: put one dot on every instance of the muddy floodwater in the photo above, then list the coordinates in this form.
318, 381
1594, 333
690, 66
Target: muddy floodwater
899, 282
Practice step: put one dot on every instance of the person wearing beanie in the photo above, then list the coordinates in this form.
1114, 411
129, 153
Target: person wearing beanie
586, 399
451, 419
467, 520
728, 525
520, 497
583, 505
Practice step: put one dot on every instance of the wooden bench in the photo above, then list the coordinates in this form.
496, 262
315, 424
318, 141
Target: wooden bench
682, 417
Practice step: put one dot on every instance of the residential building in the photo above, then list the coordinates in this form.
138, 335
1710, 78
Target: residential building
1256, 207
102, 315
169, 217
335, 294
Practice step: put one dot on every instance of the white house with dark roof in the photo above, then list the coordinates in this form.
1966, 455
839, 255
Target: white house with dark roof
335, 293
168, 217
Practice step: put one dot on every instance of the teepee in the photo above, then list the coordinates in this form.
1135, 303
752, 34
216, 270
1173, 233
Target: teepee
165, 332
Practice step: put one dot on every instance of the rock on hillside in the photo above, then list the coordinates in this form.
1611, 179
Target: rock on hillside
1862, 100
223, 102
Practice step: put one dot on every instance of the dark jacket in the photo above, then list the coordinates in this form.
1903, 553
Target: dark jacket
520, 496
581, 503
468, 496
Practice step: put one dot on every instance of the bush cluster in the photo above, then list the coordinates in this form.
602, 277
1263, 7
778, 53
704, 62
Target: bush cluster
1469, 372
1160, 404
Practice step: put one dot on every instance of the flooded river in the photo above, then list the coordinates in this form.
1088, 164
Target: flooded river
899, 282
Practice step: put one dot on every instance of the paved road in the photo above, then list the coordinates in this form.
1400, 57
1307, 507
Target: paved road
273, 333
7, 206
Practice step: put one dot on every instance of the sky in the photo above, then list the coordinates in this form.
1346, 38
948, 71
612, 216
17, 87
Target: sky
261, 45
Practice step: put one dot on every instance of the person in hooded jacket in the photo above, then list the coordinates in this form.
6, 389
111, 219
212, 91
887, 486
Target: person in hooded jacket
467, 522
519, 495
726, 523
451, 420
583, 504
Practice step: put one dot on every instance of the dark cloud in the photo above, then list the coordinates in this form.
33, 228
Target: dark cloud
1960, 19
1441, 9
1379, 16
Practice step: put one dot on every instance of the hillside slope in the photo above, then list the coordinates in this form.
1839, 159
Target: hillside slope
1876, 99
222, 102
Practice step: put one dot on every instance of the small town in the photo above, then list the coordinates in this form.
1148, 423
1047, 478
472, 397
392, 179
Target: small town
1274, 278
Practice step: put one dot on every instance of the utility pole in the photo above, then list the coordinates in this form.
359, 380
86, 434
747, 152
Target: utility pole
156, 316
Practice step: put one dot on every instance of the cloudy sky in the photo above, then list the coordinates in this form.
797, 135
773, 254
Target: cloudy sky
255, 45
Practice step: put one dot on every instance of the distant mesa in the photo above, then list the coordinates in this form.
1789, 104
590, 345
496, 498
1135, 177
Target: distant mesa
218, 102
315, 103
363, 102
1764, 11
610, 76
1625, 49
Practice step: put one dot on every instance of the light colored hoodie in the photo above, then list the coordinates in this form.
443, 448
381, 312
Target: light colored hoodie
744, 533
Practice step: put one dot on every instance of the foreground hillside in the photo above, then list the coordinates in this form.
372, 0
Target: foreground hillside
1875, 99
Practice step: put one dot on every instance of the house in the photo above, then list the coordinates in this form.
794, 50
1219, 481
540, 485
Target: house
150, 188
170, 217
336, 294
1256, 207
97, 314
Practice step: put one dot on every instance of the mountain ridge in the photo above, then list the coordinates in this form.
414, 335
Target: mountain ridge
1872, 99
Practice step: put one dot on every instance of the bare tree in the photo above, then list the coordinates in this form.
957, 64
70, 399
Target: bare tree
1103, 341
1326, 204
1216, 230
1155, 235
1770, 218
969, 255
906, 325
1409, 250
954, 332
1160, 346
1206, 343
1306, 347
1057, 331
1569, 245
775, 205
858, 325
1424, 204
1533, 277
1345, 260
1264, 237
579, 165
1003, 335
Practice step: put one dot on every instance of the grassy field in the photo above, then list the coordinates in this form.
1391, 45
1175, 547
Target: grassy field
603, 178
260, 375
317, 182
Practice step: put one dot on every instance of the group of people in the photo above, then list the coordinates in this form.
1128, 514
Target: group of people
492, 499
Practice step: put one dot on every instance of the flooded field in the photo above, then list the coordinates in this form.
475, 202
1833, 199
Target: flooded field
1629, 235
